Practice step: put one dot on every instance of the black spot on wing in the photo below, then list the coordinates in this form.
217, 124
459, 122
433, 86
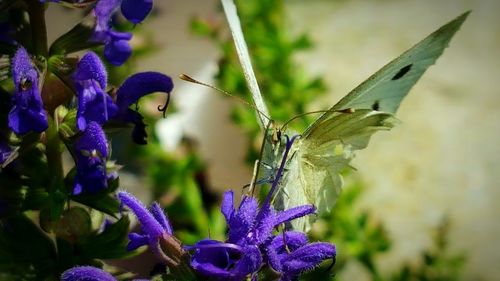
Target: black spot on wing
376, 105
402, 72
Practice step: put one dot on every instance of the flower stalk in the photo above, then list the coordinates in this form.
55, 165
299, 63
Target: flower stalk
36, 14
53, 151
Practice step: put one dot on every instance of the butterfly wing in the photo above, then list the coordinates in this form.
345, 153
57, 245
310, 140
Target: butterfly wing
313, 172
385, 89
328, 144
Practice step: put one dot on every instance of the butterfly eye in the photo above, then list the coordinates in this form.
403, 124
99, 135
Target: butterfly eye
276, 138
25, 84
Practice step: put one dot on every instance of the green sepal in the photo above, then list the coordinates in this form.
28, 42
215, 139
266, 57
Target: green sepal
74, 224
67, 129
62, 67
101, 201
53, 210
77, 39
109, 244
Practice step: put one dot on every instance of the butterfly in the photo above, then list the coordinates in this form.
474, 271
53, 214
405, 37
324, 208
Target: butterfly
325, 148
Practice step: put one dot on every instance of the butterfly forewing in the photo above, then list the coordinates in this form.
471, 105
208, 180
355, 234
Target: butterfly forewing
385, 89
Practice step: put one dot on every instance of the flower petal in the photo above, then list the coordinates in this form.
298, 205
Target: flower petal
90, 67
227, 206
251, 261
91, 150
281, 244
265, 223
136, 10
141, 84
307, 258
27, 113
117, 51
136, 241
159, 214
93, 104
93, 138
243, 220
213, 261
293, 213
103, 11
150, 225
86, 273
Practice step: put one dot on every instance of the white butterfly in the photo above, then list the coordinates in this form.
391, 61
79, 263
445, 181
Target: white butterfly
328, 144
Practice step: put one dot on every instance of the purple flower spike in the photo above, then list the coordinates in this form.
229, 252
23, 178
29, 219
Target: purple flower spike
154, 223
86, 273
136, 10
27, 113
90, 79
134, 88
250, 238
91, 151
117, 49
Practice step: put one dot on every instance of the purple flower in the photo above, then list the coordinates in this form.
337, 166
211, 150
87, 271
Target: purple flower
91, 150
117, 49
290, 255
251, 241
153, 221
27, 113
136, 10
86, 273
134, 88
94, 104
90, 79
250, 229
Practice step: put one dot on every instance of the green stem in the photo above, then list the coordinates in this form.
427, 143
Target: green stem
53, 152
36, 13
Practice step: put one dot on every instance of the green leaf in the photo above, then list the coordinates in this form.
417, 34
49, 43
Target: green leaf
100, 201
24, 247
77, 39
109, 244
36, 199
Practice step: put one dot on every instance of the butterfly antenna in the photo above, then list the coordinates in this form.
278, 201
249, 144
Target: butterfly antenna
300, 115
347, 110
187, 78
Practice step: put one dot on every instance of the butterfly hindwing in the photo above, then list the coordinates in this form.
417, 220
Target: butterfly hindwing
313, 172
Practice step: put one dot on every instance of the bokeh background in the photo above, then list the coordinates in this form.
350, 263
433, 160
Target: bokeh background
441, 162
